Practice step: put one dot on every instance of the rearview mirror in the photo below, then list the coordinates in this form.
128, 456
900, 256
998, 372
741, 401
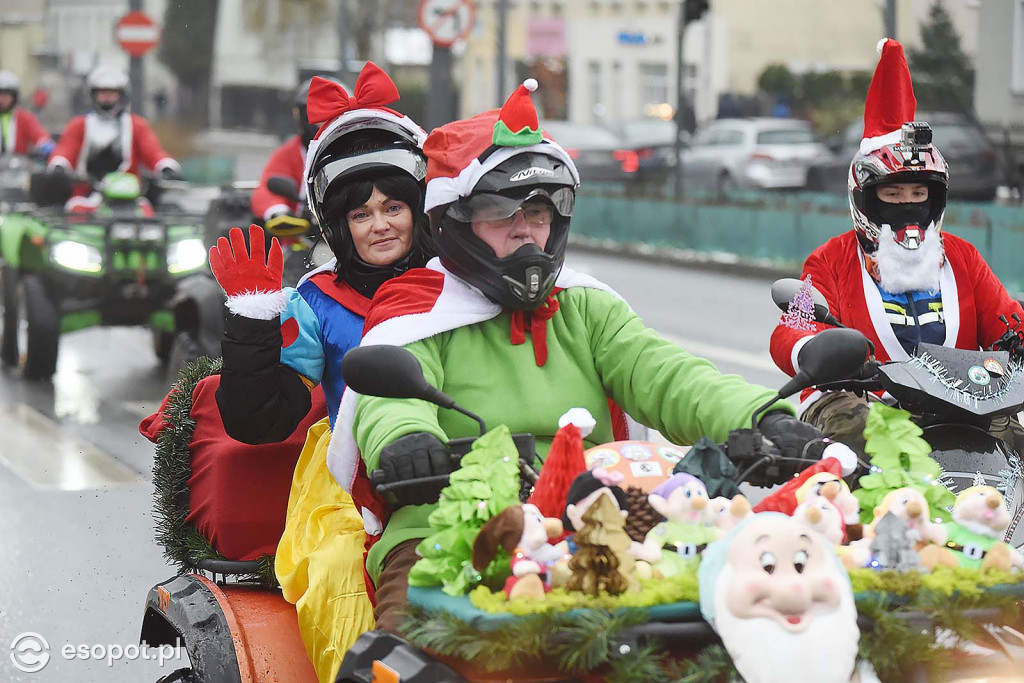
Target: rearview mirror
829, 356
389, 372
284, 187
786, 289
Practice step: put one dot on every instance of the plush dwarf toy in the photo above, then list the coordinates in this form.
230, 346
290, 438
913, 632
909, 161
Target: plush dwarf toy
683, 501
524, 533
781, 602
909, 505
823, 478
724, 514
975, 535
821, 514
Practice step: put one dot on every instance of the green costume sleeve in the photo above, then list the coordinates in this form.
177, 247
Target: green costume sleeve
658, 383
379, 421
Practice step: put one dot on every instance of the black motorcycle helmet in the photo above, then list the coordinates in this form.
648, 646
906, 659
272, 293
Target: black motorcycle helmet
307, 130
522, 280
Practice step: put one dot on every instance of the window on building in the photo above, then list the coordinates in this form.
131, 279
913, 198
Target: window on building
653, 83
617, 107
596, 91
1017, 75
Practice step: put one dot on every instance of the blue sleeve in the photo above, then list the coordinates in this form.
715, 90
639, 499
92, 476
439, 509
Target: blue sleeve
305, 353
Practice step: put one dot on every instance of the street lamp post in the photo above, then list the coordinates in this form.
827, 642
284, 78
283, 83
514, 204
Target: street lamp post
689, 10
136, 74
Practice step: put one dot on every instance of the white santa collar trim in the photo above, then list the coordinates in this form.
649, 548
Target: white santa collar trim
869, 145
348, 117
459, 304
94, 122
444, 190
883, 328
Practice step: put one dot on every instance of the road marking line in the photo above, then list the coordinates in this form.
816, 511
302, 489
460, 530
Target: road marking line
758, 361
36, 449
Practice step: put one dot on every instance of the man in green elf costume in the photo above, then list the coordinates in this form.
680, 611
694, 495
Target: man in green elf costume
500, 325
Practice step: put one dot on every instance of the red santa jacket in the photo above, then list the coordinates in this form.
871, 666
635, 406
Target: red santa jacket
972, 300
72, 150
288, 160
25, 132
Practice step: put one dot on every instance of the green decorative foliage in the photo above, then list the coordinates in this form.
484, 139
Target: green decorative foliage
503, 137
899, 458
486, 483
183, 545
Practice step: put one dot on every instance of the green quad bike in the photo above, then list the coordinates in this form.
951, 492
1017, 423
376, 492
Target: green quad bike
117, 264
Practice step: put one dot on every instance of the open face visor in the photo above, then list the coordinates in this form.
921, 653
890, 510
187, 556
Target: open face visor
397, 158
486, 206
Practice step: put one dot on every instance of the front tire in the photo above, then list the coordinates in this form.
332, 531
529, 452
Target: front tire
37, 310
9, 321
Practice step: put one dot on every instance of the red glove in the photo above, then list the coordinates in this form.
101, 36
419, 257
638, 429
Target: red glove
245, 273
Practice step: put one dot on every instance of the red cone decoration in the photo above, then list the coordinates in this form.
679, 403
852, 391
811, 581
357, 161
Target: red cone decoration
564, 463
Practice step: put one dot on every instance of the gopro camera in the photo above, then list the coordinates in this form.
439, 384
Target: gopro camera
915, 135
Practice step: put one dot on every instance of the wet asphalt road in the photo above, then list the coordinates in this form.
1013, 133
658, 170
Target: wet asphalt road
78, 556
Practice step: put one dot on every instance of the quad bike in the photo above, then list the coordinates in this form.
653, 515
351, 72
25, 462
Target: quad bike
198, 303
118, 263
236, 632
956, 393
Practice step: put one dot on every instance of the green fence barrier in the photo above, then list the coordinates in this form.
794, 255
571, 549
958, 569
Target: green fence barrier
782, 229
209, 170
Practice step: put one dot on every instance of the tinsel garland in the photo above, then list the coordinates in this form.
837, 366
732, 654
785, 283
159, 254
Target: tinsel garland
588, 641
183, 545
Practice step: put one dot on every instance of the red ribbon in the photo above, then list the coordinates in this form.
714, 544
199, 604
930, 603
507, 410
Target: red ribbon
327, 100
538, 321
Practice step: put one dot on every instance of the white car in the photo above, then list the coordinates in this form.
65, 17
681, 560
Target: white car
751, 153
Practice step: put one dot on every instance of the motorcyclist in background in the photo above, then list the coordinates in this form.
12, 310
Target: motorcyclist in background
110, 138
896, 276
500, 325
20, 130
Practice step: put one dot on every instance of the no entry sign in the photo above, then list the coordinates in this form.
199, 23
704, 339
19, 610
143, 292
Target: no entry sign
137, 34
446, 21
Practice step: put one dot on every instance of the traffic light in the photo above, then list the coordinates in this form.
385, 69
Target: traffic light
693, 10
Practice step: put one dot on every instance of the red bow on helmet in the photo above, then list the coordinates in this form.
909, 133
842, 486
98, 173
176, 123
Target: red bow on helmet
328, 100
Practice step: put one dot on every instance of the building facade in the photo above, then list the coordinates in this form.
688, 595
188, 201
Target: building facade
999, 78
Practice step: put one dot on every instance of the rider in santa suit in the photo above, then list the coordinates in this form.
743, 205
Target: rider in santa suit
896, 276
110, 138
20, 130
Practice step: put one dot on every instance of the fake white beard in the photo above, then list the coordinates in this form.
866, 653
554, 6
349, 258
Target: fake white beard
764, 652
909, 270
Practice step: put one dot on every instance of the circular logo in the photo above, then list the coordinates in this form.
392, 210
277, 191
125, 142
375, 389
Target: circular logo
602, 457
979, 375
30, 652
635, 451
993, 366
671, 453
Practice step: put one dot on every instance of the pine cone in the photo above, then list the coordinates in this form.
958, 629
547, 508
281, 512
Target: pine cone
642, 517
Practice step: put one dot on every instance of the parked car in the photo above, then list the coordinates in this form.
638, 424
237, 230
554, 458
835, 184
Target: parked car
653, 140
599, 155
974, 171
751, 153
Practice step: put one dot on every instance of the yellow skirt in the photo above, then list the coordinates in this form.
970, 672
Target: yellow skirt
320, 559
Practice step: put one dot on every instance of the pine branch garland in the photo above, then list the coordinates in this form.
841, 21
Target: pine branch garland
183, 545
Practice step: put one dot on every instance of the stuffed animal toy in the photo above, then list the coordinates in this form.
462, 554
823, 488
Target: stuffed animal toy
910, 505
724, 514
683, 501
975, 535
524, 533
821, 514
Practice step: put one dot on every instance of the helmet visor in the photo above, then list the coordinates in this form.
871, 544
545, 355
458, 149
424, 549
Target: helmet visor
487, 206
401, 159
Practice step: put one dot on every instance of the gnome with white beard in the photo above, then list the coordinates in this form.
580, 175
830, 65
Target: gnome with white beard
897, 277
781, 601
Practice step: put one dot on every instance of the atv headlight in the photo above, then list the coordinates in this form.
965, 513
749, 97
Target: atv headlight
186, 255
77, 256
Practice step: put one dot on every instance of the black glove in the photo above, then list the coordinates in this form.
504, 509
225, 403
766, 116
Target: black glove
790, 435
171, 173
415, 456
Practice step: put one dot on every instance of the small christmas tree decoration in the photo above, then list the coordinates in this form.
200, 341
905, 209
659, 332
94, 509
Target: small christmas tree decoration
899, 458
800, 313
486, 483
564, 463
892, 547
517, 124
602, 562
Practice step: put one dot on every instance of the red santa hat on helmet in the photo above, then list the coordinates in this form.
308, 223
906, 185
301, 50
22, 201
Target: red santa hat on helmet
461, 152
329, 104
890, 102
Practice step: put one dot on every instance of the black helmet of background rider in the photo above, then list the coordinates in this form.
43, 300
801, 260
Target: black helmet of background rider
306, 129
363, 142
10, 84
489, 165
895, 149
108, 78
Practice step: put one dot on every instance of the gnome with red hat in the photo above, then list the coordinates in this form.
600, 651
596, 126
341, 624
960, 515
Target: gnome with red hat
896, 276
504, 327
